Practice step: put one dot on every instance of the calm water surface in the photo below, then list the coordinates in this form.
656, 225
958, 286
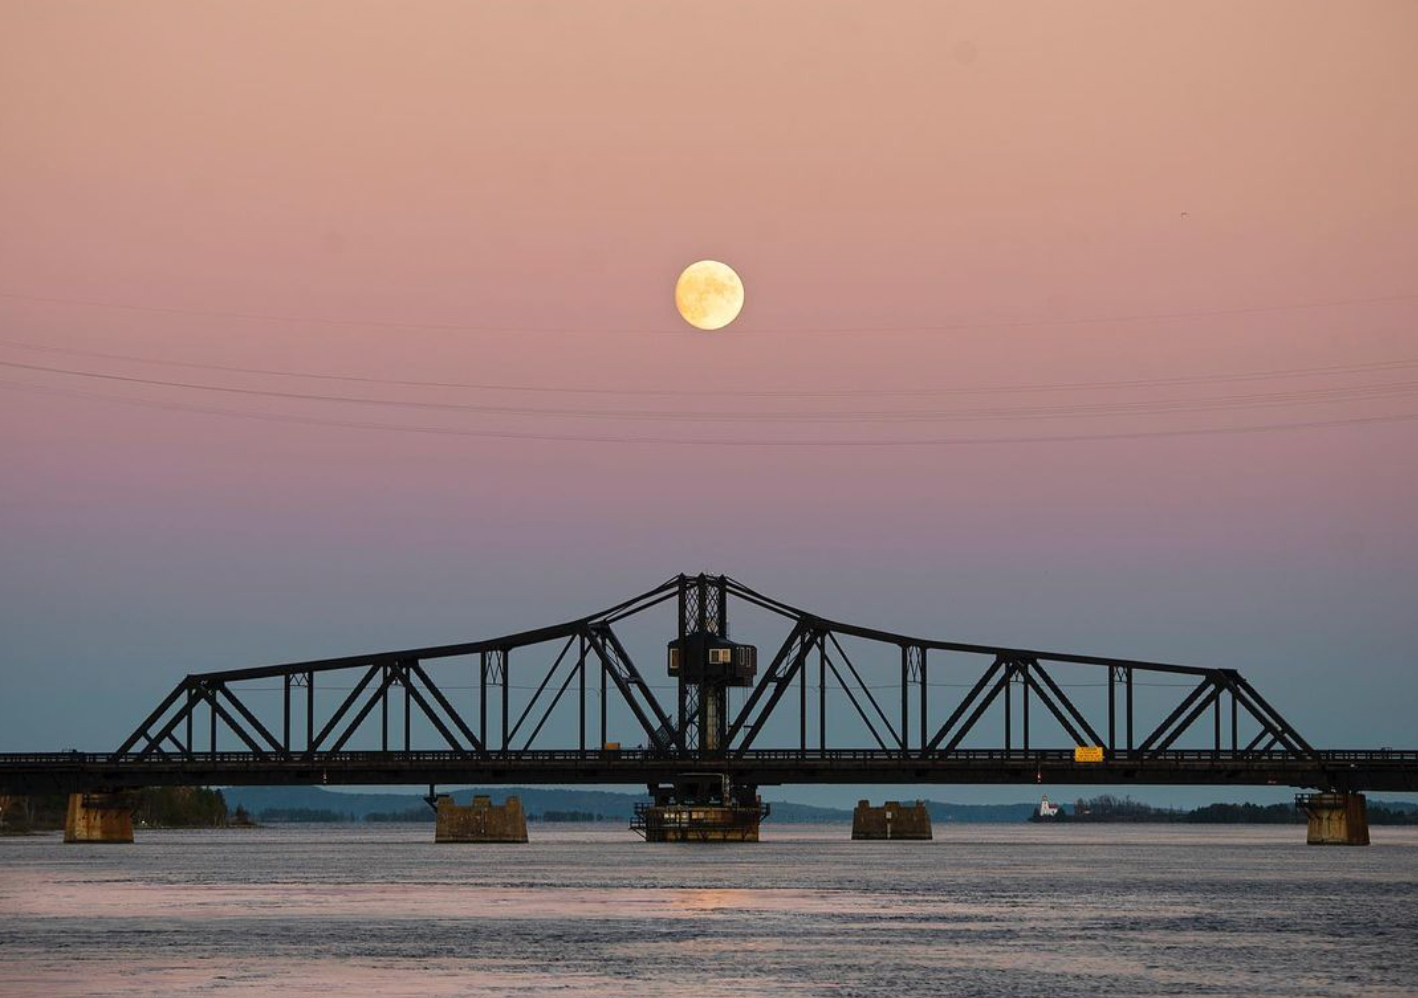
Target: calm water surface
588, 910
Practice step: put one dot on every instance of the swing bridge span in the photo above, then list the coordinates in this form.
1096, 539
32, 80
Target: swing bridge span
907, 710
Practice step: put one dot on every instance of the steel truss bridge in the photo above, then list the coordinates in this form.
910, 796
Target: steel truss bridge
955, 713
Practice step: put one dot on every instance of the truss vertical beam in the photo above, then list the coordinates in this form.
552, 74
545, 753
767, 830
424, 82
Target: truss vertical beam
925, 698
1024, 695
1009, 709
905, 699
1129, 709
384, 717
1112, 709
802, 709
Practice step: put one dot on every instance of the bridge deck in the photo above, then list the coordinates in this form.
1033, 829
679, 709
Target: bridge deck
64, 772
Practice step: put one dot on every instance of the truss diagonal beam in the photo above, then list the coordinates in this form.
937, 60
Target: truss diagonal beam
207, 693
251, 719
1281, 725
629, 682
177, 718
1190, 719
570, 675
851, 698
784, 678
152, 719
979, 711
1048, 701
1171, 719
540, 687
348, 702
964, 705
387, 681
1066, 703
453, 715
772, 675
890, 728
406, 676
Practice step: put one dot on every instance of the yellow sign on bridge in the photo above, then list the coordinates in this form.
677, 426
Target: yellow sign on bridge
1088, 753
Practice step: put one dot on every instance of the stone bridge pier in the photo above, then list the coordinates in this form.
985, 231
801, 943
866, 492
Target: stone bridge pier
480, 821
99, 816
1336, 818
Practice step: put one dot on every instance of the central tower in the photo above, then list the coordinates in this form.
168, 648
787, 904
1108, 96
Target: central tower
704, 806
706, 663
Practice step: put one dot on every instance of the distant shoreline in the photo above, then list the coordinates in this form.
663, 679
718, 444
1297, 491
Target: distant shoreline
168, 809
1110, 810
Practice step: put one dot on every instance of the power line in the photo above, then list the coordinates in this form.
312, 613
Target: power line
1076, 410
998, 389
715, 442
1164, 316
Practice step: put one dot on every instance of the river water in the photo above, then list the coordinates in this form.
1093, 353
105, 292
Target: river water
589, 910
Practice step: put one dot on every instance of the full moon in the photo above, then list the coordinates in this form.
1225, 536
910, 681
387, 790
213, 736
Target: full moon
709, 294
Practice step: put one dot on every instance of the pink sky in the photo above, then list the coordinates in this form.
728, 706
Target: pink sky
984, 173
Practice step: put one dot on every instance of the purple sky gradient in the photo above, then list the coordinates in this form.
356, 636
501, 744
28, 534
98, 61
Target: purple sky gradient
918, 196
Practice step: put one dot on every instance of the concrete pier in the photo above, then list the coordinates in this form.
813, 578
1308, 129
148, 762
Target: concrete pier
480, 821
1336, 819
700, 807
699, 823
891, 821
99, 817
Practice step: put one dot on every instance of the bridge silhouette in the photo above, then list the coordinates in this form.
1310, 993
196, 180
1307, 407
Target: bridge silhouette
956, 713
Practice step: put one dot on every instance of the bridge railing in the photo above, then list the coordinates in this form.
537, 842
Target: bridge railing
646, 756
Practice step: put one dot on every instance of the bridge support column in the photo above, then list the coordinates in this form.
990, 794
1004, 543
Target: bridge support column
480, 821
891, 821
1336, 819
99, 817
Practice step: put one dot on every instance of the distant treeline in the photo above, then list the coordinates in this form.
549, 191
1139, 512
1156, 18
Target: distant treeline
422, 814
154, 807
1108, 808
570, 816
180, 807
297, 815
425, 814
